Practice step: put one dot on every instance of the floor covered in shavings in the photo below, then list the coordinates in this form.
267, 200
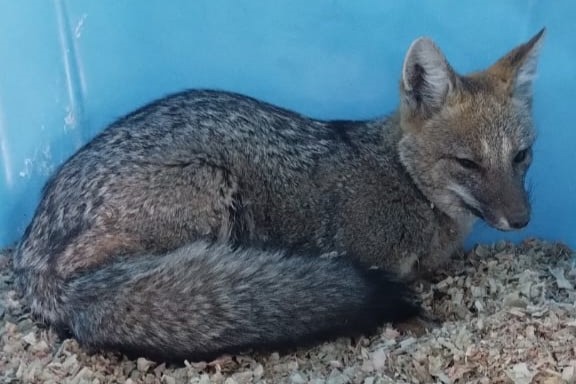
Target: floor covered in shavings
509, 317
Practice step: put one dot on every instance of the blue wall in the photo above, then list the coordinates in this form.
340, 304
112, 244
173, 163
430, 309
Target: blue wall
67, 68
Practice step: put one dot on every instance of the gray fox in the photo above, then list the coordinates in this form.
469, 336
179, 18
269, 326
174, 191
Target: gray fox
208, 222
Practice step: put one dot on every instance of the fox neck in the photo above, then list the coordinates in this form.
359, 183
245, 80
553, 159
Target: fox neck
391, 135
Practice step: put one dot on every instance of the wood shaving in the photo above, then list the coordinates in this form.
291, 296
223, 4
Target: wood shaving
508, 316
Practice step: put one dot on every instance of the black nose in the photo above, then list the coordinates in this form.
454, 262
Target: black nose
519, 222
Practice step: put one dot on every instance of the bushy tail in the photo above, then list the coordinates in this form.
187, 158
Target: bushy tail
205, 300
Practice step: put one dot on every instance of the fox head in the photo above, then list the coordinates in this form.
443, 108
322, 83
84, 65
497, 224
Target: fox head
467, 139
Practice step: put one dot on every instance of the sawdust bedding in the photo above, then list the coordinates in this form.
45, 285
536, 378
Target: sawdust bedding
508, 311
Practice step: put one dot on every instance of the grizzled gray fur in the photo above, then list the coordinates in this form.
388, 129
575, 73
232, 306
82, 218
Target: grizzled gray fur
195, 225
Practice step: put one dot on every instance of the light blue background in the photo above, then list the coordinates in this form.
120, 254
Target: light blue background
68, 68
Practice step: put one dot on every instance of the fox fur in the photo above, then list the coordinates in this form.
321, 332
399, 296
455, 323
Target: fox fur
200, 223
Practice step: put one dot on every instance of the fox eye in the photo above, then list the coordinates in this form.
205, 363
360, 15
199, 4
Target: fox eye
467, 163
521, 156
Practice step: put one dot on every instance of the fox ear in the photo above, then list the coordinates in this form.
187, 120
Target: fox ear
427, 78
517, 69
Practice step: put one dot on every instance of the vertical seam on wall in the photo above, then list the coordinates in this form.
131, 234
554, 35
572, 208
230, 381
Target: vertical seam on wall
72, 73
5, 155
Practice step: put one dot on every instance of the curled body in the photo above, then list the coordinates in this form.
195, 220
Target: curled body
195, 225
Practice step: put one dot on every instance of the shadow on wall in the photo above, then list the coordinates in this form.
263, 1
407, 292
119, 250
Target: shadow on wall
71, 67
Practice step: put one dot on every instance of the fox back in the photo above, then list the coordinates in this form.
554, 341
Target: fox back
195, 225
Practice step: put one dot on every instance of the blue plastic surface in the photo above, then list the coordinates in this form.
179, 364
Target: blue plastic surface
68, 68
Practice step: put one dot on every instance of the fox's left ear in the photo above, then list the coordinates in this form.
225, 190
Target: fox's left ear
516, 70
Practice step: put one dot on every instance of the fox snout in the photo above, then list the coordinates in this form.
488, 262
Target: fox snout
506, 209
509, 218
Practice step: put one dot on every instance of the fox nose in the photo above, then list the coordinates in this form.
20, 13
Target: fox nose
513, 222
518, 222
